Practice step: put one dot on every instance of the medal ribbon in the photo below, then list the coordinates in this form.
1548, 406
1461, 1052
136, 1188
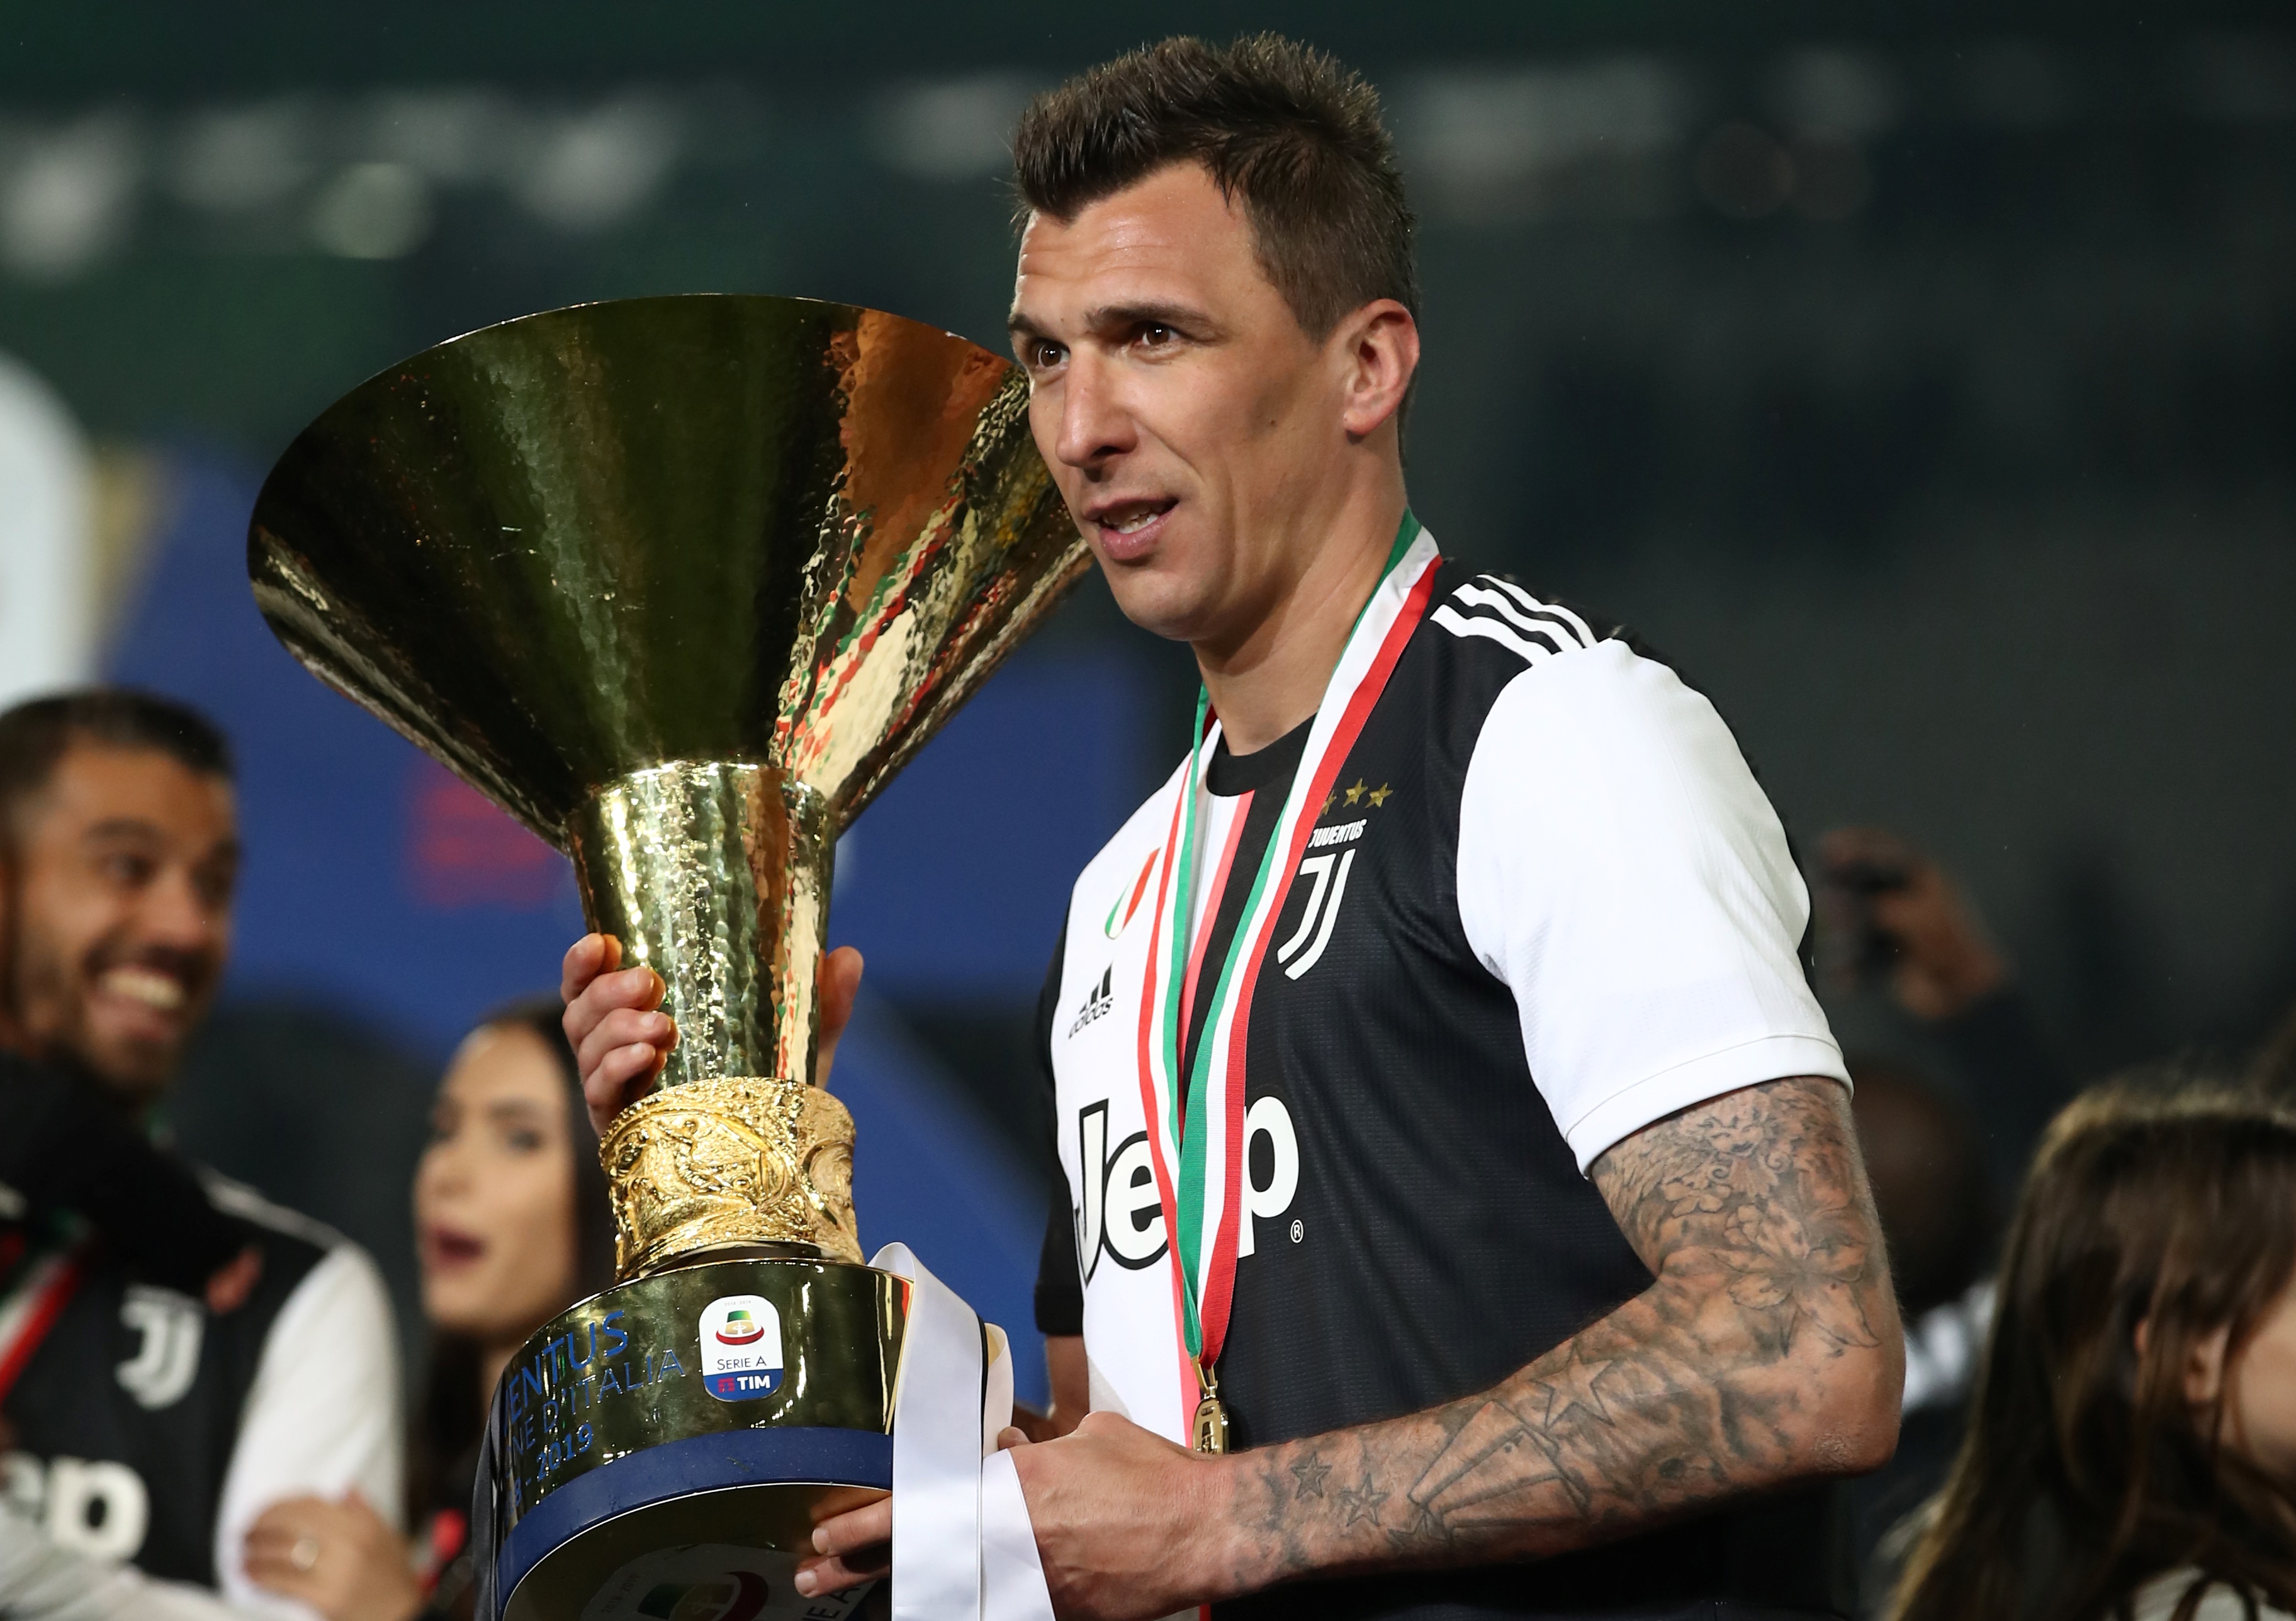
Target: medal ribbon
1204, 1200
35, 1298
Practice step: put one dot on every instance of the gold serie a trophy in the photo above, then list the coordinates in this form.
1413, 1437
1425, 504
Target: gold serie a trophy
681, 583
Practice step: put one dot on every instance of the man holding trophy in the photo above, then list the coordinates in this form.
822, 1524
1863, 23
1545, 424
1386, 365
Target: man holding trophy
1464, 1216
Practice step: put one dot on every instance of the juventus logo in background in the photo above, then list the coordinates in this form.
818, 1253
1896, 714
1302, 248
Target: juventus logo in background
1328, 870
164, 1363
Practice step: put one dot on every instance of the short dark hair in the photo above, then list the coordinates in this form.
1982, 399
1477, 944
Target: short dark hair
35, 736
1293, 132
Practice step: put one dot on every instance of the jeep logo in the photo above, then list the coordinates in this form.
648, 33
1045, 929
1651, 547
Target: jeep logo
1123, 1217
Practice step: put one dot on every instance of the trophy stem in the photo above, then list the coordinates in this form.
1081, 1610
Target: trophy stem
716, 875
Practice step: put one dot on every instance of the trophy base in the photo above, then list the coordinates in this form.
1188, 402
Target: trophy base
686, 1431
722, 1553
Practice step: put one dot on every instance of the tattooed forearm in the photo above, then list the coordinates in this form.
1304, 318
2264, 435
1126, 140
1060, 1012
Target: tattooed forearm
1766, 1350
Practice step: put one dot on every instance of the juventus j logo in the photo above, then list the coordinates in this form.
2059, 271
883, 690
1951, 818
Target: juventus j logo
168, 1359
1330, 872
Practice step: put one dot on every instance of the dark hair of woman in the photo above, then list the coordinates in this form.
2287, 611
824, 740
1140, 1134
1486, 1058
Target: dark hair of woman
450, 1411
2148, 1225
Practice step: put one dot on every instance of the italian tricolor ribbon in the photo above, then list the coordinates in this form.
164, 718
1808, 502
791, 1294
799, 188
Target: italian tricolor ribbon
38, 1284
1198, 1142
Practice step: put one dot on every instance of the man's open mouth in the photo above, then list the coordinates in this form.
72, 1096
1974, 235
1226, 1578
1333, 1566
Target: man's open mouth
1130, 516
150, 988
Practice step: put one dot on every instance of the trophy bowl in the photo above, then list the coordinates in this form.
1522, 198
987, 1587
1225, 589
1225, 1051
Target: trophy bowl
680, 583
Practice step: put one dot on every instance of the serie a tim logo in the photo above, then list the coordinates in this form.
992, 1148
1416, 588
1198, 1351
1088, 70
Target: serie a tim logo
741, 1347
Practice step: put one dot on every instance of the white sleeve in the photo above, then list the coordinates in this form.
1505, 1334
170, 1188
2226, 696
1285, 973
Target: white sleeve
321, 1418
1622, 872
40, 1581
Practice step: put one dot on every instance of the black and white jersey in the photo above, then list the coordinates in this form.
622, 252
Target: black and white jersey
1544, 904
149, 1430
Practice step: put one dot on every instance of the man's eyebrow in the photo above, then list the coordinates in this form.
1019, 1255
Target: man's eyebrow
516, 1109
123, 827
1151, 314
1111, 317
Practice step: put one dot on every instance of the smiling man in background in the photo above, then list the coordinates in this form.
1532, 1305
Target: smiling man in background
148, 1425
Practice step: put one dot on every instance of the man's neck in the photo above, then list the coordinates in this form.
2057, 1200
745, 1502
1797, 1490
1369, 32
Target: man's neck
1271, 679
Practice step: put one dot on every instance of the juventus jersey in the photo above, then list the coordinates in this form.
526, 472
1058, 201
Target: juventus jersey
1542, 905
149, 1431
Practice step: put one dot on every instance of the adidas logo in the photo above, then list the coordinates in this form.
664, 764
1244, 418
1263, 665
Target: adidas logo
1097, 1001
1497, 610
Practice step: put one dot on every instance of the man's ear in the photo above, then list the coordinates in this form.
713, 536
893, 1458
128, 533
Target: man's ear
1379, 347
2204, 1362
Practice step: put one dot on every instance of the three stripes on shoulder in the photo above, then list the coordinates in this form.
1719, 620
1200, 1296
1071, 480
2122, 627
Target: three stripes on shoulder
1502, 611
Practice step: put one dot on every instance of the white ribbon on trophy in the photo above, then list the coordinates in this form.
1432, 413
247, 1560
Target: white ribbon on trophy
963, 1547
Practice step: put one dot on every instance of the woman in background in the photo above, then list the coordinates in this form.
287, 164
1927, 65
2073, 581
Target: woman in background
513, 1225
2133, 1449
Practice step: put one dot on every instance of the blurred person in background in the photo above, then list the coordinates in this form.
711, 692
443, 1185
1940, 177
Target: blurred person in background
72, 1164
514, 1223
1890, 917
75, 1172
2132, 1452
1930, 1189
146, 1426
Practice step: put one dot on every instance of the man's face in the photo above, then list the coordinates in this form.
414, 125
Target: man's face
1192, 424
123, 870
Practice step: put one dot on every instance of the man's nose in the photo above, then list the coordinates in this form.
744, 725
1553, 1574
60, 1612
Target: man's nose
1093, 424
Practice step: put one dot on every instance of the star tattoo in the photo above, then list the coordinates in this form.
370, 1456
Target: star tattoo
1572, 1388
1310, 1471
1360, 1502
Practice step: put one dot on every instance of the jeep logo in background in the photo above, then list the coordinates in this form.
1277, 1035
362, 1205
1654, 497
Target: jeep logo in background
1123, 1216
86, 1505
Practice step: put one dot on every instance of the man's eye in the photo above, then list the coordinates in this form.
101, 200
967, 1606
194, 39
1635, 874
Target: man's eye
128, 869
1155, 335
523, 1140
1044, 357
215, 888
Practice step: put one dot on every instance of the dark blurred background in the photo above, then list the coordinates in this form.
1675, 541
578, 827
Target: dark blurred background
1923, 381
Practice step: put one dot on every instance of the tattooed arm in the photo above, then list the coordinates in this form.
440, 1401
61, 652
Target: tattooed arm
1765, 1352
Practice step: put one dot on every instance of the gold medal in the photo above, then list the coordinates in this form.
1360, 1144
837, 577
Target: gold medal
1211, 1436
